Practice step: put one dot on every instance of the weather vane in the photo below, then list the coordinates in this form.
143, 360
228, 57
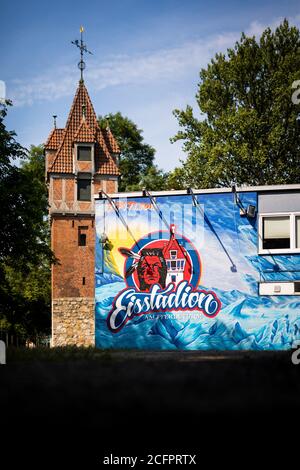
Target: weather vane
80, 44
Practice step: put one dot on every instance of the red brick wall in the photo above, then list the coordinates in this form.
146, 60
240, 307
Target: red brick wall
84, 166
111, 186
69, 190
97, 186
57, 189
74, 262
50, 154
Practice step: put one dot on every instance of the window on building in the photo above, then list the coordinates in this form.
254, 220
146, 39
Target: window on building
173, 254
297, 287
298, 231
82, 235
84, 153
83, 281
84, 188
82, 239
279, 233
276, 232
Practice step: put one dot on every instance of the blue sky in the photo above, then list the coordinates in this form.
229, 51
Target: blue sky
146, 58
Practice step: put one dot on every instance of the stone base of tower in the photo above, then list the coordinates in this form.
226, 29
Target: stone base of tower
73, 321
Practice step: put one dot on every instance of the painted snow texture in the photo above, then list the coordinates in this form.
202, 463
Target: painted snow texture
246, 320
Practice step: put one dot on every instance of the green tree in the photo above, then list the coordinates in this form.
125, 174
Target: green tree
136, 157
25, 255
176, 179
154, 179
248, 130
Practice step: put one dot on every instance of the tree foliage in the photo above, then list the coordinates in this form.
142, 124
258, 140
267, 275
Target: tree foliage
25, 255
248, 130
136, 157
154, 179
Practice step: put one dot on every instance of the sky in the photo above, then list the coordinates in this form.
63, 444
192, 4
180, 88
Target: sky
146, 59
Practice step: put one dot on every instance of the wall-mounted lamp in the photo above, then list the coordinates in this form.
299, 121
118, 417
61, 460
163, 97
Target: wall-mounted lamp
249, 212
235, 195
244, 212
103, 238
194, 199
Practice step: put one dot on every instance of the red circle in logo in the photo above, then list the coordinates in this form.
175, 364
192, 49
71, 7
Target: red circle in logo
161, 261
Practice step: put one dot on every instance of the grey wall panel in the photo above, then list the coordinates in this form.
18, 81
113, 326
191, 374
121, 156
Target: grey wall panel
279, 202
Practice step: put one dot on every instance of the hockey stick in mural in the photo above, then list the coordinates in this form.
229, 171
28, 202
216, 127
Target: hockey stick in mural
124, 251
199, 208
161, 216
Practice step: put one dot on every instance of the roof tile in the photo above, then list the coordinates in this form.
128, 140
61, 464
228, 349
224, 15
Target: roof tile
111, 142
84, 133
54, 139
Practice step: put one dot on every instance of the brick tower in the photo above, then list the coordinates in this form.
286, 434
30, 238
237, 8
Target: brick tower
81, 159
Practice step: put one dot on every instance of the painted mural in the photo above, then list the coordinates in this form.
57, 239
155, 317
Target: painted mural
182, 272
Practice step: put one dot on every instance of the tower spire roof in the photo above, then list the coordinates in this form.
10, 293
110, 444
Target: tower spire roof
84, 128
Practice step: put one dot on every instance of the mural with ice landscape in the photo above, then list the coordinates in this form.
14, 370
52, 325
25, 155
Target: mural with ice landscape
229, 269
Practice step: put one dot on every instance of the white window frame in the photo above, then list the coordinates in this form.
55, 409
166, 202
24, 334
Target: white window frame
75, 155
87, 145
293, 248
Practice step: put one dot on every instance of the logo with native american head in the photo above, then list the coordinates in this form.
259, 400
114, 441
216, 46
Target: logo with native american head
162, 272
161, 261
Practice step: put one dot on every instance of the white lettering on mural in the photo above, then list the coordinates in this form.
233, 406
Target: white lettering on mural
296, 94
130, 303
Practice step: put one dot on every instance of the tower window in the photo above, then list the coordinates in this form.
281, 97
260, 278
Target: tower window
82, 235
83, 281
82, 239
84, 153
83, 189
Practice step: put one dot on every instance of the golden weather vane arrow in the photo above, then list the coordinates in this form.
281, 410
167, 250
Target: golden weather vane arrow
83, 49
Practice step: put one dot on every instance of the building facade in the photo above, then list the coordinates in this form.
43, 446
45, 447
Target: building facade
81, 160
215, 269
